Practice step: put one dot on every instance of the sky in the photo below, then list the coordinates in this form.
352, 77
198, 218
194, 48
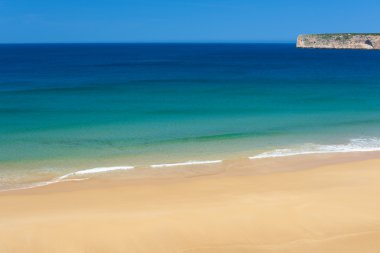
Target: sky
46, 21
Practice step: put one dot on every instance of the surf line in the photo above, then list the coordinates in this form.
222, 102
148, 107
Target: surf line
189, 163
96, 170
354, 145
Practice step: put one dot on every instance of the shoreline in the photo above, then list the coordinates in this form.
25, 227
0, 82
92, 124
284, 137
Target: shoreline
199, 168
355, 147
296, 204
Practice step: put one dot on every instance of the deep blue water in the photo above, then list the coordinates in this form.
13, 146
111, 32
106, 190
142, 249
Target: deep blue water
62, 104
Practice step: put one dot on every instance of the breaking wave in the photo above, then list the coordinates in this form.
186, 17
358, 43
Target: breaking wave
354, 145
164, 165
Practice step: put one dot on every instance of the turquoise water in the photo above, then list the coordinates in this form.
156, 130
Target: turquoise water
76, 106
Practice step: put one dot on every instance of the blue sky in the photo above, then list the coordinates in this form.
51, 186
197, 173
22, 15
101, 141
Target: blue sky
25, 21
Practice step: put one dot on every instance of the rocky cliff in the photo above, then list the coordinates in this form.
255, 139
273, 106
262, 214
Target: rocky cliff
340, 41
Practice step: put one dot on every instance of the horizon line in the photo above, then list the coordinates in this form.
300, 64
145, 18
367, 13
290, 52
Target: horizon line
150, 42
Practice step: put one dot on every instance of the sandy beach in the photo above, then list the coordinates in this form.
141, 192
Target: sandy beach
324, 203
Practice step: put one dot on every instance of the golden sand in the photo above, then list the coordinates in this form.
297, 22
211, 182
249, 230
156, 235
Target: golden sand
330, 205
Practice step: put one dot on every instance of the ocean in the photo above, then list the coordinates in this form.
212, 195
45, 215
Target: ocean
74, 109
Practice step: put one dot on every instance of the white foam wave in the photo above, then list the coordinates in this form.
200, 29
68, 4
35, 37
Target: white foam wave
40, 184
185, 163
95, 170
354, 145
67, 177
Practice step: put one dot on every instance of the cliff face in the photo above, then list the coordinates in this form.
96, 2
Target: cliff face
339, 41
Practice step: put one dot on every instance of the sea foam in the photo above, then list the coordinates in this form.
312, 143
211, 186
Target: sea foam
354, 145
69, 177
184, 163
95, 170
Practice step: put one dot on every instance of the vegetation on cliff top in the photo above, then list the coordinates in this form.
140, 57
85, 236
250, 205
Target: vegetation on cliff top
343, 35
338, 36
